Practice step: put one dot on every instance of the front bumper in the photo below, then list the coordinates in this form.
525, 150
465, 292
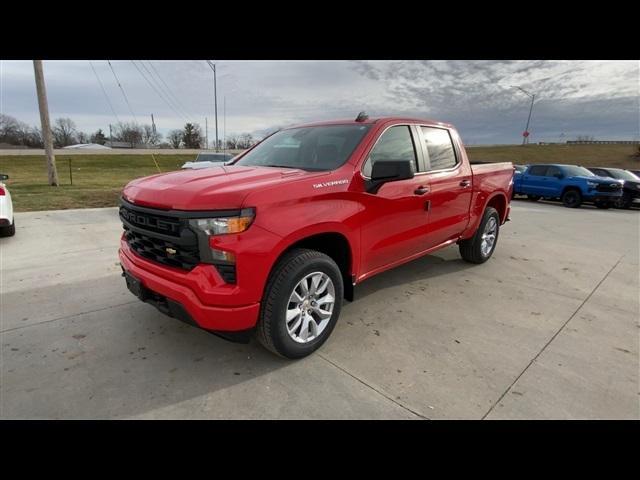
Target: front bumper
178, 300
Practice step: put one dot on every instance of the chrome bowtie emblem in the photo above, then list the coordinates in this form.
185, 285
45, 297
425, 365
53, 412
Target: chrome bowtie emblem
171, 251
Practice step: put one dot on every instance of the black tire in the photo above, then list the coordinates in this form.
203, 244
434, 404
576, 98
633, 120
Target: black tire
9, 231
624, 202
291, 268
603, 205
470, 249
571, 198
533, 198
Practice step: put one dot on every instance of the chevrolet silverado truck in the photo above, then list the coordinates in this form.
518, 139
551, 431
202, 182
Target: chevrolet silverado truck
271, 244
571, 184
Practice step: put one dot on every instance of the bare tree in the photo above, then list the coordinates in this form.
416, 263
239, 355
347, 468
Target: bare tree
82, 137
232, 142
246, 140
64, 132
130, 133
149, 136
175, 138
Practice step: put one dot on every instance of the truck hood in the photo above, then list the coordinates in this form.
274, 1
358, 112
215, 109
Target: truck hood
595, 179
215, 188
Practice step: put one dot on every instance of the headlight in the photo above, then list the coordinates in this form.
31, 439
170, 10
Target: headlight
592, 184
224, 225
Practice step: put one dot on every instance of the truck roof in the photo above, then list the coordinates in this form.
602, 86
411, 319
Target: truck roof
369, 121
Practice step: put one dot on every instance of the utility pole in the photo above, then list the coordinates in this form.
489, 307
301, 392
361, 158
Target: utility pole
46, 125
110, 137
215, 97
224, 124
206, 135
153, 125
525, 134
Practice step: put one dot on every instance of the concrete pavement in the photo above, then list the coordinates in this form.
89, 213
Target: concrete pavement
548, 328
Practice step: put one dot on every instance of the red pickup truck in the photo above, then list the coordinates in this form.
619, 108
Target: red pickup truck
272, 243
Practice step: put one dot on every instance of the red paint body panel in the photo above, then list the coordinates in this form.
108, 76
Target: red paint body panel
382, 230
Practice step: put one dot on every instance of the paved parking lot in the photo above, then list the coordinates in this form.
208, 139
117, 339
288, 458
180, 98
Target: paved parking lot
548, 328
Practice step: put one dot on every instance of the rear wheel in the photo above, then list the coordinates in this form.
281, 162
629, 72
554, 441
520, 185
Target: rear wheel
480, 247
572, 198
301, 304
9, 231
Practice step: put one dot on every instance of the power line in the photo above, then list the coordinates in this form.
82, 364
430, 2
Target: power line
176, 107
122, 89
168, 89
158, 92
104, 91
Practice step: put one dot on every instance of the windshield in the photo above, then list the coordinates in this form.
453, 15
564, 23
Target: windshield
623, 175
575, 171
213, 157
324, 147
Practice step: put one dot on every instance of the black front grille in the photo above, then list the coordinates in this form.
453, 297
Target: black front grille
160, 237
163, 251
608, 187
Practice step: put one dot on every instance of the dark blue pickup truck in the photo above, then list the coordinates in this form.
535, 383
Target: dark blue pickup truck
571, 184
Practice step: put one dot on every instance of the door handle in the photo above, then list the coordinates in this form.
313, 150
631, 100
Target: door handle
465, 183
421, 190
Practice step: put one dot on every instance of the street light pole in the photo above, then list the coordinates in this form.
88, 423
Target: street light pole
215, 97
525, 134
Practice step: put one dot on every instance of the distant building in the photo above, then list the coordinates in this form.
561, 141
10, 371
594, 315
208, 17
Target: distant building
88, 146
126, 145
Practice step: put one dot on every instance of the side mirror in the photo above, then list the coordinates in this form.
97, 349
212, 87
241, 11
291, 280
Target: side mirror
3, 177
384, 171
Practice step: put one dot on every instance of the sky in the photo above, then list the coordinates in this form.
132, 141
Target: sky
573, 98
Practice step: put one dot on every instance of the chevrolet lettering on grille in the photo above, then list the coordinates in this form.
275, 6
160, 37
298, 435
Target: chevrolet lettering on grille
146, 221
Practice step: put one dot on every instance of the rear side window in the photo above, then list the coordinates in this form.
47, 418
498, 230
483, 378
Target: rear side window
538, 170
439, 148
553, 171
396, 144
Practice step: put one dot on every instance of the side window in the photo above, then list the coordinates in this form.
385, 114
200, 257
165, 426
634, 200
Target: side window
394, 144
439, 148
538, 170
553, 171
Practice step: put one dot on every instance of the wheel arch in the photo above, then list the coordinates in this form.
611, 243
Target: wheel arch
332, 243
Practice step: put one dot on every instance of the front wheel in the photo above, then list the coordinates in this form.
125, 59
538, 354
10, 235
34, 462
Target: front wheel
301, 304
571, 199
624, 202
480, 247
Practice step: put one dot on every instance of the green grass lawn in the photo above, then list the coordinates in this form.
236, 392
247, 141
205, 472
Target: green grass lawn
620, 156
98, 179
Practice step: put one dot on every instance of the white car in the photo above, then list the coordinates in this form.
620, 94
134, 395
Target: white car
209, 159
7, 222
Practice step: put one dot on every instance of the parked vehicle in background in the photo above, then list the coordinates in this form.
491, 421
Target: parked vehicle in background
275, 241
7, 222
631, 185
635, 172
209, 159
572, 184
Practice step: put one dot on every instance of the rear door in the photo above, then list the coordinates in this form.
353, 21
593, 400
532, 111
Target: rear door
533, 180
395, 220
451, 184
